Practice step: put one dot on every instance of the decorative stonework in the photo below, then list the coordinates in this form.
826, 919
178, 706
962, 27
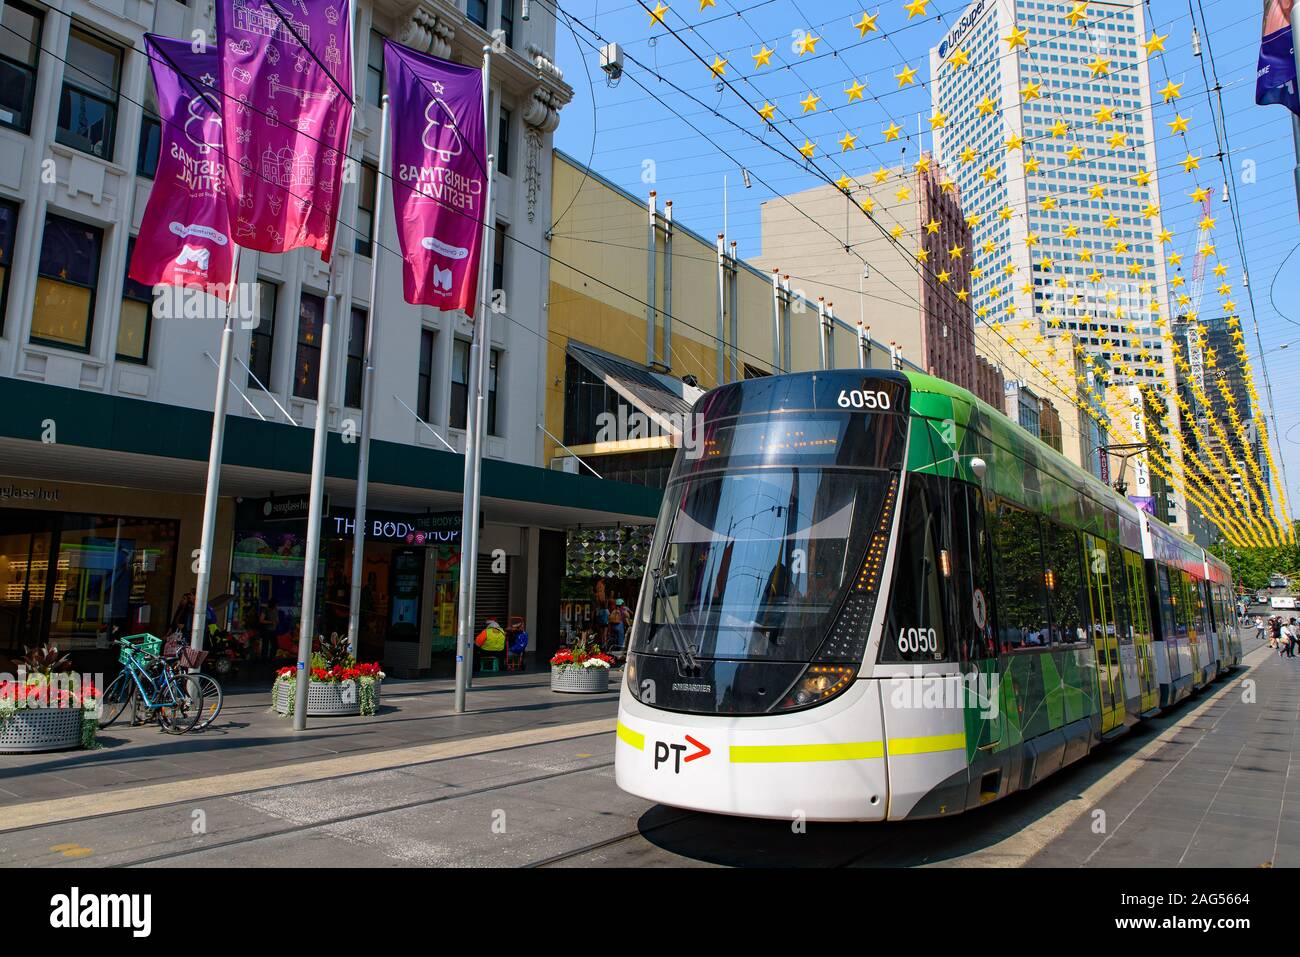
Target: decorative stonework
428, 32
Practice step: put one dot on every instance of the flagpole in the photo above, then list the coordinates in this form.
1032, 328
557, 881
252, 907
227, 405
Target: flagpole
202, 585
367, 391
320, 439
480, 350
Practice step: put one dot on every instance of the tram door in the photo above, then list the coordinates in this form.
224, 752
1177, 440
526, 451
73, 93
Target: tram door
1142, 639
972, 576
1110, 681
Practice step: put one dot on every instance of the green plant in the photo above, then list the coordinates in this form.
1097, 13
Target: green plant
335, 652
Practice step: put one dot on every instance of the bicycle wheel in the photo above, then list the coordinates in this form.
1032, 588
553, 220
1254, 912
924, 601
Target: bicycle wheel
212, 699
115, 698
186, 708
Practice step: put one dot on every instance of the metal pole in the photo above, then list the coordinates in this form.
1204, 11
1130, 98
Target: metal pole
651, 244
666, 353
199, 622
786, 346
474, 431
830, 335
367, 394
776, 321
722, 332
821, 330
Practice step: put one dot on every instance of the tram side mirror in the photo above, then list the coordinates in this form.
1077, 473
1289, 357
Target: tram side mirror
978, 467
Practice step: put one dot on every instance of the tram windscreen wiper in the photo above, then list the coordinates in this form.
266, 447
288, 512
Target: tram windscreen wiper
684, 653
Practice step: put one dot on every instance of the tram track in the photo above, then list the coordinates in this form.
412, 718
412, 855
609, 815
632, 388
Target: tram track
356, 815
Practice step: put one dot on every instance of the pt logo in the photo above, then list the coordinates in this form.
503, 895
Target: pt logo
666, 751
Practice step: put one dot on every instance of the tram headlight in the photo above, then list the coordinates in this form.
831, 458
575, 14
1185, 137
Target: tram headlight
818, 683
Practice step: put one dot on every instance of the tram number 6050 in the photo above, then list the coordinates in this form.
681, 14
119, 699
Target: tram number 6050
863, 399
918, 640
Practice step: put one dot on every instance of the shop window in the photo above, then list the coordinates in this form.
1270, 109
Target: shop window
8, 232
355, 376
67, 276
915, 629
494, 365
146, 163
1066, 585
375, 68
88, 101
459, 384
508, 21
20, 50
134, 324
263, 338
424, 388
503, 148
367, 200
499, 261
306, 366
1021, 579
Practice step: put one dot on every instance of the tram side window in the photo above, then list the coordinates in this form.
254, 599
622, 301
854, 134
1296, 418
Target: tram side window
1168, 623
1021, 594
914, 623
1066, 585
1120, 592
1137, 595
971, 575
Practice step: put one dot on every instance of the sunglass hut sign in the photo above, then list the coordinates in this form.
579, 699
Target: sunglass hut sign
961, 28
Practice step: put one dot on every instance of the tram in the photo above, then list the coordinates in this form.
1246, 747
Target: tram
870, 596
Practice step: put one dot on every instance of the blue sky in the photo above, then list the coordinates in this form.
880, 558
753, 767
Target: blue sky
624, 131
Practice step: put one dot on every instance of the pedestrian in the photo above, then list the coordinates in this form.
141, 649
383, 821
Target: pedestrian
1274, 631
517, 645
490, 643
618, 620
1294, 639
602, 622
1259, 627
268, 621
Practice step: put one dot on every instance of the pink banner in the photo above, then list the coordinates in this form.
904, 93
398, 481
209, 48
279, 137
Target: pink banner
185, 233
438, 174
286, 74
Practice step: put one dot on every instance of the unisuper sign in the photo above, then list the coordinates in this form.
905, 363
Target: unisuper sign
960, 29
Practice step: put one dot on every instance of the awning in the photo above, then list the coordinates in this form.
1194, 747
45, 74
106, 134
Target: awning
665, 401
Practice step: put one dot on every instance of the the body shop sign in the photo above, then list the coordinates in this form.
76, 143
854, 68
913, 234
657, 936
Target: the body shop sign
960, 29
434, 529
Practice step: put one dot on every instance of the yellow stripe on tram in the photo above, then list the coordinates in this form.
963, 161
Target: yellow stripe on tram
928, 745
781, 753
630, 737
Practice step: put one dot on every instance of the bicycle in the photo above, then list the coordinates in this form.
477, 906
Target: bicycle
184, 661
146, 678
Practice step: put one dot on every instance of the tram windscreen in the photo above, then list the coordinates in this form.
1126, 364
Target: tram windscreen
762, 534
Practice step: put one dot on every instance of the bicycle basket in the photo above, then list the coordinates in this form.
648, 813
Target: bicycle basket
133, 645
192, 657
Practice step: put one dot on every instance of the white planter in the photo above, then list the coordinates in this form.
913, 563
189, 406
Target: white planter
40, 729
324, 699
575, 680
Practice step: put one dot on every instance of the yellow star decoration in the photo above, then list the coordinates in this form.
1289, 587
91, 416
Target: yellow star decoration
868, 205
705, 4
923, 164
915, 8
944, 276
1117, 140
896, 231
855, 91
1103, 115
891, 132
1164, 236
1031, 164
1070, 232
1143, 178
867, 24
848, 142
1013, 142
1017, 38
1199, 195
1151, 211
947, 186
990, 174
658, 13
986, 106
763, 57
1005, 213
1059, 129
1100, 67
719, 66
881, 175
968, 155
903, 193
1080, 12
807, 43
809, 103
932, 226
1074, 153
1111, 222
1096, 190
1171, 91
1191, 163
938, 120
767, 111
1049, 202
905, 76
1156, 43
808, 149
959, 58
844, 184
1033, 91
1178, 124
956, 252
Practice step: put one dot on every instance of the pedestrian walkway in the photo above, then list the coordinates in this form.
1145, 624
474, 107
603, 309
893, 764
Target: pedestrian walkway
1224, 792
249, 736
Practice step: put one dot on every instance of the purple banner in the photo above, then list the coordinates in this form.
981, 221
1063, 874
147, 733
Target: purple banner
438, 174
1275, 82
288, 118
185, 233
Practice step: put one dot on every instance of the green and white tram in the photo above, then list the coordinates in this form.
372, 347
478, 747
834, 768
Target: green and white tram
870, 596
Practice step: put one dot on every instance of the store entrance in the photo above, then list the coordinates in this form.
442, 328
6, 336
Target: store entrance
27, 539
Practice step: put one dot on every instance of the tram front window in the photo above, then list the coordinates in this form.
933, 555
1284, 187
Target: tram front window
753, 564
